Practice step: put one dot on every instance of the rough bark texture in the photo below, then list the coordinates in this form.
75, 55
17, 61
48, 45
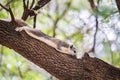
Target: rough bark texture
62, 66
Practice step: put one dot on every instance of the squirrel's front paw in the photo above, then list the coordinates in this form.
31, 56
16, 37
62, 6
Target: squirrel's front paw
19, 29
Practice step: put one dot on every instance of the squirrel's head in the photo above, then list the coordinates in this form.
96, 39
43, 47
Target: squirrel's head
72, 50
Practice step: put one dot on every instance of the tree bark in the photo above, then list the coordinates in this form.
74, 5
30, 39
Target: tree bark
62, 66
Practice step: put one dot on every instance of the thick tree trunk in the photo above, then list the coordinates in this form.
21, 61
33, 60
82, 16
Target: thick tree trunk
62, 66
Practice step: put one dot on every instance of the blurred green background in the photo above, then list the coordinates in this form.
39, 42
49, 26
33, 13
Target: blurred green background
69, 20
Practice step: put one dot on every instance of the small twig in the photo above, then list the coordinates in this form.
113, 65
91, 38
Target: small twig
34, 20
27, 4
95, 34
25, 12
118, 5
31, 11
4, 7
10, 11
41, 3
7, 4
92, 4
94, 8
33, 1
24, 4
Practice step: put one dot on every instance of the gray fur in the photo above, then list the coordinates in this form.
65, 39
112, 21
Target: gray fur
59, 45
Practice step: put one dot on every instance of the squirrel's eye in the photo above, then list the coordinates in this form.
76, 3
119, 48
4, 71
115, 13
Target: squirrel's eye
74, 51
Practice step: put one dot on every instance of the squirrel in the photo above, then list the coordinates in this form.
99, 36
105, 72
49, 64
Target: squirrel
59, 45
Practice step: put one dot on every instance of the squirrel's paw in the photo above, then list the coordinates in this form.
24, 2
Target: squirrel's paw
19, 29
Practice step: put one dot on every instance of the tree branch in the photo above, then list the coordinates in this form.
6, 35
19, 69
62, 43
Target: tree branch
62, 66
4, 7
10, 11
32, 11
92, 4
33, 1
8, 3
118, 4
41, 3
29, 11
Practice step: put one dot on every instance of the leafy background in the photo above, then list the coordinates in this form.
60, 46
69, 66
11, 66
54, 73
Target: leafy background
69, 20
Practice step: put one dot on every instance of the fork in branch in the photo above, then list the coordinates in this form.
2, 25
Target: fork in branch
33, 11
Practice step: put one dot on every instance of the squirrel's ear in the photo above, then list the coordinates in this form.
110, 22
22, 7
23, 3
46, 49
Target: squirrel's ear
71, 46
